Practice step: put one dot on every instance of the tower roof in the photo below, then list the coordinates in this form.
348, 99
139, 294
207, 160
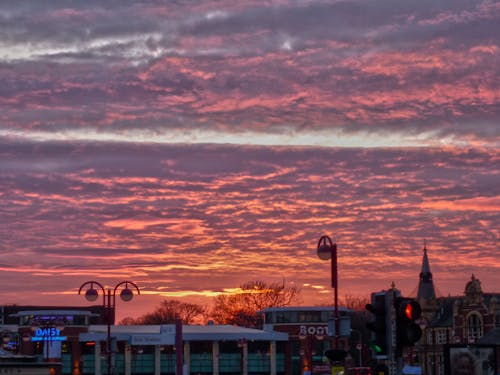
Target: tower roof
426, 289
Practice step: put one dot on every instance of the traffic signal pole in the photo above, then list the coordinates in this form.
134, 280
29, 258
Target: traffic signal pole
394, 327
395, 366
384, 328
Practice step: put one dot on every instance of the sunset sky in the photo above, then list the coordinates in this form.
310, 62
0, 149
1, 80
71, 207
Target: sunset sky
191, 146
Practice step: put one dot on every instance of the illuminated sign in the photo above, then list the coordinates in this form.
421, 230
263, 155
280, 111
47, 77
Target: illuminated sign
313, 330
48, 334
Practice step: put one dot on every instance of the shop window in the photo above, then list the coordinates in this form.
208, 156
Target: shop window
206, 346
268, 317
282, 317
325, 316
310, 317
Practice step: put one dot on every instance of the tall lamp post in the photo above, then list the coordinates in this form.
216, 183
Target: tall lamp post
109, 302
328, 250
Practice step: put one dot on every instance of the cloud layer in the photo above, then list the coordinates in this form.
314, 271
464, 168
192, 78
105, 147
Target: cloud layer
195, 145
280, 72
192, 220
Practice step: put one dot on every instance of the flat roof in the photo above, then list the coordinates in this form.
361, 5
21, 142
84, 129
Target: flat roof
227, 332
305, 308
165, 334
53, 313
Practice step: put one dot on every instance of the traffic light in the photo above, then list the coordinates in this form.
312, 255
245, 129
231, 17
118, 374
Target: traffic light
380, 324
408, 332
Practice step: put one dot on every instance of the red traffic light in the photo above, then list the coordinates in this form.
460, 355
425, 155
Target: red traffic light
411, 310
407, 309
408, 332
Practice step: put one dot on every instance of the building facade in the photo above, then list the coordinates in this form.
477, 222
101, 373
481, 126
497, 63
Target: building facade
65, 341
453, 324
308, 332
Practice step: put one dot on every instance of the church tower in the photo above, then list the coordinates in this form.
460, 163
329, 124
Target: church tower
426, 295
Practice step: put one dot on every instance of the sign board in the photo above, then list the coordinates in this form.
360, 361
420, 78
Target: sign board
313, 330
321, 369
344, 326
151, 339
48, 334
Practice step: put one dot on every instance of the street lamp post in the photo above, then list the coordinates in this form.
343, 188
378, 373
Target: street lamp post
359, 346
328, 250
109, 302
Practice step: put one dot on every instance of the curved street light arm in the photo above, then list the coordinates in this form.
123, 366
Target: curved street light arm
126, 286
91, 286
109, 307
324, 239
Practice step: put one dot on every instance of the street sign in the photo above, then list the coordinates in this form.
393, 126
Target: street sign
344, 326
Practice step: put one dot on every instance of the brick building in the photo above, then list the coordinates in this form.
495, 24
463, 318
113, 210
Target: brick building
468, 323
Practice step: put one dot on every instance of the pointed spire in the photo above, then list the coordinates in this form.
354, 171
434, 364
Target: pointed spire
426, 268
426, 286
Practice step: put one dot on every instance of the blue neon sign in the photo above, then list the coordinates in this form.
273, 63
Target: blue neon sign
48, 334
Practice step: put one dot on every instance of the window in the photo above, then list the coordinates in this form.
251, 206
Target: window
282, 317
269, 318
430, 341
474, 327
310, 317
441, 336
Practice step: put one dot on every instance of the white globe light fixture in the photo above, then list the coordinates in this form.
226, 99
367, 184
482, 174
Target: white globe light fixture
325, 248
91, 294
126, 294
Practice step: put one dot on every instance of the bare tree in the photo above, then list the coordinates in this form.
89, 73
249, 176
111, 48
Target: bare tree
168, 312
128, 321
355, 303
242, 307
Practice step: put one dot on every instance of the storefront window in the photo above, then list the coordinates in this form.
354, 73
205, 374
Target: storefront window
310, 317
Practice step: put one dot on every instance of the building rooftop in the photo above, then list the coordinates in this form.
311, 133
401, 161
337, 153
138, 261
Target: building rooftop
305, 308
165, 334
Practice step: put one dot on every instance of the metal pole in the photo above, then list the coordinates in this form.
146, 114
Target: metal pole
335, 285
108, 338
360, 352
109, 303
179, 347
359, 346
